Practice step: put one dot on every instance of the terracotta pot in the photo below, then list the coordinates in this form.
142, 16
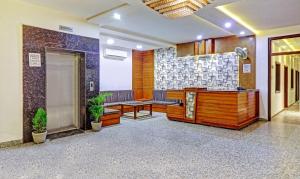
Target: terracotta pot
96, 126
39, 138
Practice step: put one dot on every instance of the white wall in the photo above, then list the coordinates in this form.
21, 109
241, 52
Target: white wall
14, 13
115, 74
262, 63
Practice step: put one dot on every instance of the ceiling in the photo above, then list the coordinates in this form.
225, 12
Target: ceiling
141, 25
267, 14
79, 8
286, 45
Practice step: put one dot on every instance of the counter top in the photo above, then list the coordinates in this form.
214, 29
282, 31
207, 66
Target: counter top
229, 91
201, 90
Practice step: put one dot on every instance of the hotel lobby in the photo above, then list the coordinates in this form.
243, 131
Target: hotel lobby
150, 89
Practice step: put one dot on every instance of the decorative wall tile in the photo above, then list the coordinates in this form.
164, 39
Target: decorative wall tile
216, 71
190, 104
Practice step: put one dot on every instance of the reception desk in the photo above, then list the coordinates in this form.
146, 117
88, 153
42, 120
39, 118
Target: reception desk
227, 109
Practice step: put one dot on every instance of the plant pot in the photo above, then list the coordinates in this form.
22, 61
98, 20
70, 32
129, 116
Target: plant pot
39, 138
96, 126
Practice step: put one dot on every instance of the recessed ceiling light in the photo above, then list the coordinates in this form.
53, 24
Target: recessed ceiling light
227, 24
110, 41
199, 37
139, 46
117, 16
242, 33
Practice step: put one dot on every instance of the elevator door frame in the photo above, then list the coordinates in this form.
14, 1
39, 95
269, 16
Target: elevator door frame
80, 84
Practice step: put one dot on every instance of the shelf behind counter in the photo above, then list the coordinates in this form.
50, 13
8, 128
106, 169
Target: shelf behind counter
228, 108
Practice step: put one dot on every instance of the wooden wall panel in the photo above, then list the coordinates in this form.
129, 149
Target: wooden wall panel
143, 74
137, 74
200, 47
148, 74
228, 44
185, 49
210, 46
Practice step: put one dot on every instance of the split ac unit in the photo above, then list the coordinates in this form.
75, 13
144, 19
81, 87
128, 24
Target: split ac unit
115, 54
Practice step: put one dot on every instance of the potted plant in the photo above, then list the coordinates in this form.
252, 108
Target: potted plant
39, 124
96, 110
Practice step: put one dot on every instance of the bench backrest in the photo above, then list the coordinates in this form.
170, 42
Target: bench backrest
120, 95
161, 95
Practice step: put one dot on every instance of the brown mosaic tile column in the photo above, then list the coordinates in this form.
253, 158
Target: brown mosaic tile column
37, 40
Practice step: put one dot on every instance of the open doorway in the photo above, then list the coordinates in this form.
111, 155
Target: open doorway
284, 67
286, 87
297, 86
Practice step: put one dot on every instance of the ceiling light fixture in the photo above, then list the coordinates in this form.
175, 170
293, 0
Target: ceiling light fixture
242, 33
176, 8
199, 37
227, 25
117, 16
139, 47
110, 41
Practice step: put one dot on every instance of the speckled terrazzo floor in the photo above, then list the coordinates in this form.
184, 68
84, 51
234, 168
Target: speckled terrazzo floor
158, 148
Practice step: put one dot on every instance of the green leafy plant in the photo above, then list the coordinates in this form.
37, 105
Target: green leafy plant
95, 106
39, 121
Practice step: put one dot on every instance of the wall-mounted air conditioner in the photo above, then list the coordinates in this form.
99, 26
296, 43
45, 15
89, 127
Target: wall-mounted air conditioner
115, 54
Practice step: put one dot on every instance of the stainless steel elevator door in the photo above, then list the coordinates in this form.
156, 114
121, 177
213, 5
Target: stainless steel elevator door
62, 91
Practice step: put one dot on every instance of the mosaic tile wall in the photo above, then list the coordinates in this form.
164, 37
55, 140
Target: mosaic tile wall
217, 71
190, 104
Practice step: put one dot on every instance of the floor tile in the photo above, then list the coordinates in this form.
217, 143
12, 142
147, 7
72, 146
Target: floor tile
159, 148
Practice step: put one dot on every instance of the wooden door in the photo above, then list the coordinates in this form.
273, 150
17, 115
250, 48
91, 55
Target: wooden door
286, 86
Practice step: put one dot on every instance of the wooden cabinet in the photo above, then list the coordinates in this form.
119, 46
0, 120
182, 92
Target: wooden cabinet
215, 107
176, 95
233, 110
175, 112
227, 109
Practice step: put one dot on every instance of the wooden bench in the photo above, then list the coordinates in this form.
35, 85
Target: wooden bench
111, 117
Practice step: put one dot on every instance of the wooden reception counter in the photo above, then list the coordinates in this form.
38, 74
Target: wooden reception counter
228, 109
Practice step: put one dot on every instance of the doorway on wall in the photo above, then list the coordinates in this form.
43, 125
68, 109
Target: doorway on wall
62, 91
284, 67
286, 86
297, 86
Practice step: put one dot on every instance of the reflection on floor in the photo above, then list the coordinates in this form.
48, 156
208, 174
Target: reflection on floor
158, 148
290, 115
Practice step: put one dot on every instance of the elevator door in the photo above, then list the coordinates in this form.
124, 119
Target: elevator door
62, 92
